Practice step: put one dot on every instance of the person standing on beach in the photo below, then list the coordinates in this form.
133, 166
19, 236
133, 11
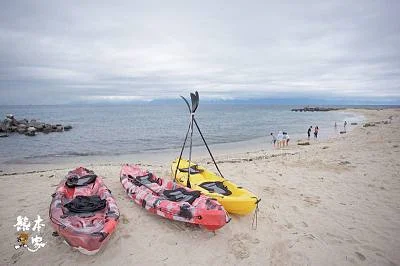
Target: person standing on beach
285, 139
344, 126
309, 132
280, 139
273, 139
316, 132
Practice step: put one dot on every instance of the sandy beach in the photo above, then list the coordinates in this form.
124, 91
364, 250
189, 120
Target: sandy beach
333, 202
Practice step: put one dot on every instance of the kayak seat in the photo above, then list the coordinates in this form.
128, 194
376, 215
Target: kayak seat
144, 179
76, 181
193, 169
85, 204
181, 194
216, 187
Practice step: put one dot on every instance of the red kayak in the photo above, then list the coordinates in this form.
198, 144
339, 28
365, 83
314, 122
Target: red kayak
83, 211
170, 200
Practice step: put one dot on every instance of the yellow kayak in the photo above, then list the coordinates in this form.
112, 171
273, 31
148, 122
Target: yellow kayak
235, 199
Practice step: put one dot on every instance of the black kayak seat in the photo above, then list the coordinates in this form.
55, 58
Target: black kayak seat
181, 194
144, 179
193, 169
76, 181
216, 187
85, 204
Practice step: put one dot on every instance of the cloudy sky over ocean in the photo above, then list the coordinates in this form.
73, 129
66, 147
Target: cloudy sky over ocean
77, 51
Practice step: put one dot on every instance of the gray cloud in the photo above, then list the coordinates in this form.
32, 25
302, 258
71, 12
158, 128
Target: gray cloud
57, 52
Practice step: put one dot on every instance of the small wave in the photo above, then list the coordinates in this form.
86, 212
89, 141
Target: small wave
64, 154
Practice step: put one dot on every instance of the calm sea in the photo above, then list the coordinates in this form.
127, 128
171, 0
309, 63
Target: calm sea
129, 129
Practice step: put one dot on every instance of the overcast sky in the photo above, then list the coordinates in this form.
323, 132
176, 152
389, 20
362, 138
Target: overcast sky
68, 51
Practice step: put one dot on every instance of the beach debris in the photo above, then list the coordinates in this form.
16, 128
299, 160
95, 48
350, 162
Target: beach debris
360, 256
369, 125
124, 219
314, 109
29, 128
342, 132
354, 123
325, 147
303, 143
344, 162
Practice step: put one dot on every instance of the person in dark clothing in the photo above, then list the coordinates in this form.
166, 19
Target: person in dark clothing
309, 132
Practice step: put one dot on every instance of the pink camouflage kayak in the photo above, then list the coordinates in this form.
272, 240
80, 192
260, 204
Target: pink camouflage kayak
83, 211
170, 200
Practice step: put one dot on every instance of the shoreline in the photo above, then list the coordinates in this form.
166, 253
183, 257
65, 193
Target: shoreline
164, 156
336, 200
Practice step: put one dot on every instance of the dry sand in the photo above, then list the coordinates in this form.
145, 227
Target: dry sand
335, 202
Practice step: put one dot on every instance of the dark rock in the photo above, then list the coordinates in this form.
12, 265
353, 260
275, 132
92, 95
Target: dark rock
315, 109
47, 129
31, 129
14, 122
23, 121
30, 133
353, 123
304, 143
67, 127
22, 128
342, 132
3, 135
39, 126
369, 125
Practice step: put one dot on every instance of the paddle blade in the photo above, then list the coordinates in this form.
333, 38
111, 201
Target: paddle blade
195, 101
187, 103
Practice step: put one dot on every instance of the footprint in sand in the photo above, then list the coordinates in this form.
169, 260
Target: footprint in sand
269, 191
312, 200
240, 245
239, 249
279, 254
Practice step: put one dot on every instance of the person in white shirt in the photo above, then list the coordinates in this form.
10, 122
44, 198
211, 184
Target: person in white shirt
280, 139
285, 139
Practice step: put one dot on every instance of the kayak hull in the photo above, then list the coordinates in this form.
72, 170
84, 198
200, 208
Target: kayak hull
234, 198
153, 194
87, 232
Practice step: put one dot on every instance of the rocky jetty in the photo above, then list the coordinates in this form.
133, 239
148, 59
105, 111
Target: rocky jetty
314, 109
11, 125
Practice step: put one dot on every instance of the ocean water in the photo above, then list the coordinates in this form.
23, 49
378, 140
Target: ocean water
139, 128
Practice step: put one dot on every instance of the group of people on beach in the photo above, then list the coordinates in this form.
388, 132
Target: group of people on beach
281, 140
316, 130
